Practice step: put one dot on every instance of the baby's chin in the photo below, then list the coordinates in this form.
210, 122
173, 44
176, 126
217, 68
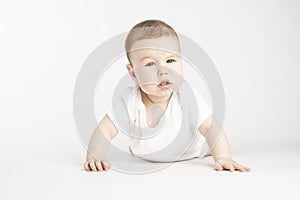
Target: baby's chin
156, 91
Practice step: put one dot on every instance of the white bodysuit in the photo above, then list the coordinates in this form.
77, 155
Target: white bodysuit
174, 138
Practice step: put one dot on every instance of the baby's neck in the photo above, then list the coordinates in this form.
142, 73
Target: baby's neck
155, 108
150, 100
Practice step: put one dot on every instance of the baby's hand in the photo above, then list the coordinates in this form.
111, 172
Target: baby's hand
227, 163
96, 165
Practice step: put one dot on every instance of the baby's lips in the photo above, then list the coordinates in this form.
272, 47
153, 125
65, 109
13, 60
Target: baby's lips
164, 81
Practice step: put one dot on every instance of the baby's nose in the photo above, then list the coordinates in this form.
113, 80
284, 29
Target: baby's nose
162, 71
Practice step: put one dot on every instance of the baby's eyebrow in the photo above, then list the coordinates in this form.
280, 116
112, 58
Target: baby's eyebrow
149, 57
145, 57
172, 56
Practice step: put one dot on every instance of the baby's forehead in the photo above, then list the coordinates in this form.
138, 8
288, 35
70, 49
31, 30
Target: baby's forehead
161, 45
153, 53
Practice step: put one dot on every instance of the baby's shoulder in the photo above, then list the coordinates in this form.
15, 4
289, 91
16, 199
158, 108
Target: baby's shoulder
124, 92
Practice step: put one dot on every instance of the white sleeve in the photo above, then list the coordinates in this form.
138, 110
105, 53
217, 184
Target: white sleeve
118, 110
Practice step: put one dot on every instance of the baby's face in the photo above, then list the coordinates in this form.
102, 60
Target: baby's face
156, 65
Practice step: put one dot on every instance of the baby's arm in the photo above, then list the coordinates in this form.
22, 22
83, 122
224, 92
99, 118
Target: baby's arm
99, 144
219, 145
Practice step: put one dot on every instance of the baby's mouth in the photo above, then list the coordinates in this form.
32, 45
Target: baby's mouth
164, 83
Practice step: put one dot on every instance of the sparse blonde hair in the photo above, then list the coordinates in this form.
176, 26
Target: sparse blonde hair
148, 29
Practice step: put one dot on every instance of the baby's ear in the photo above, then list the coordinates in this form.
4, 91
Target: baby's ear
131, 72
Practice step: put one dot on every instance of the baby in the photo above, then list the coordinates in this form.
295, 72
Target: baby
160, 103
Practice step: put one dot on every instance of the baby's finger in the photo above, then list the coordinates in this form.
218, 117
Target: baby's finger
231, 168
240, 167
218, 167
86, 166
225, 165
92, 166
247, 168
98, 165
228, 166
106, 166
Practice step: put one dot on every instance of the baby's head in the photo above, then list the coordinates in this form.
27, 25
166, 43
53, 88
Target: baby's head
153, 51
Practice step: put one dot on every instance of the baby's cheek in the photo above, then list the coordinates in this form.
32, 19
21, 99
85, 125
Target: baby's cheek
178, 70
148, 88
146, 76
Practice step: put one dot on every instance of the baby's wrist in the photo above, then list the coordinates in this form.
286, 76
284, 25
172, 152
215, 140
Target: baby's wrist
222, 157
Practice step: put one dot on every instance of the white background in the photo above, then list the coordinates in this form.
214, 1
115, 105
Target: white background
255, 46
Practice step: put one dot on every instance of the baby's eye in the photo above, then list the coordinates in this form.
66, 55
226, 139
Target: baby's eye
171, 61
150, 64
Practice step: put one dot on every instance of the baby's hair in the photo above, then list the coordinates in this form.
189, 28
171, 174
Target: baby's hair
148, 29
